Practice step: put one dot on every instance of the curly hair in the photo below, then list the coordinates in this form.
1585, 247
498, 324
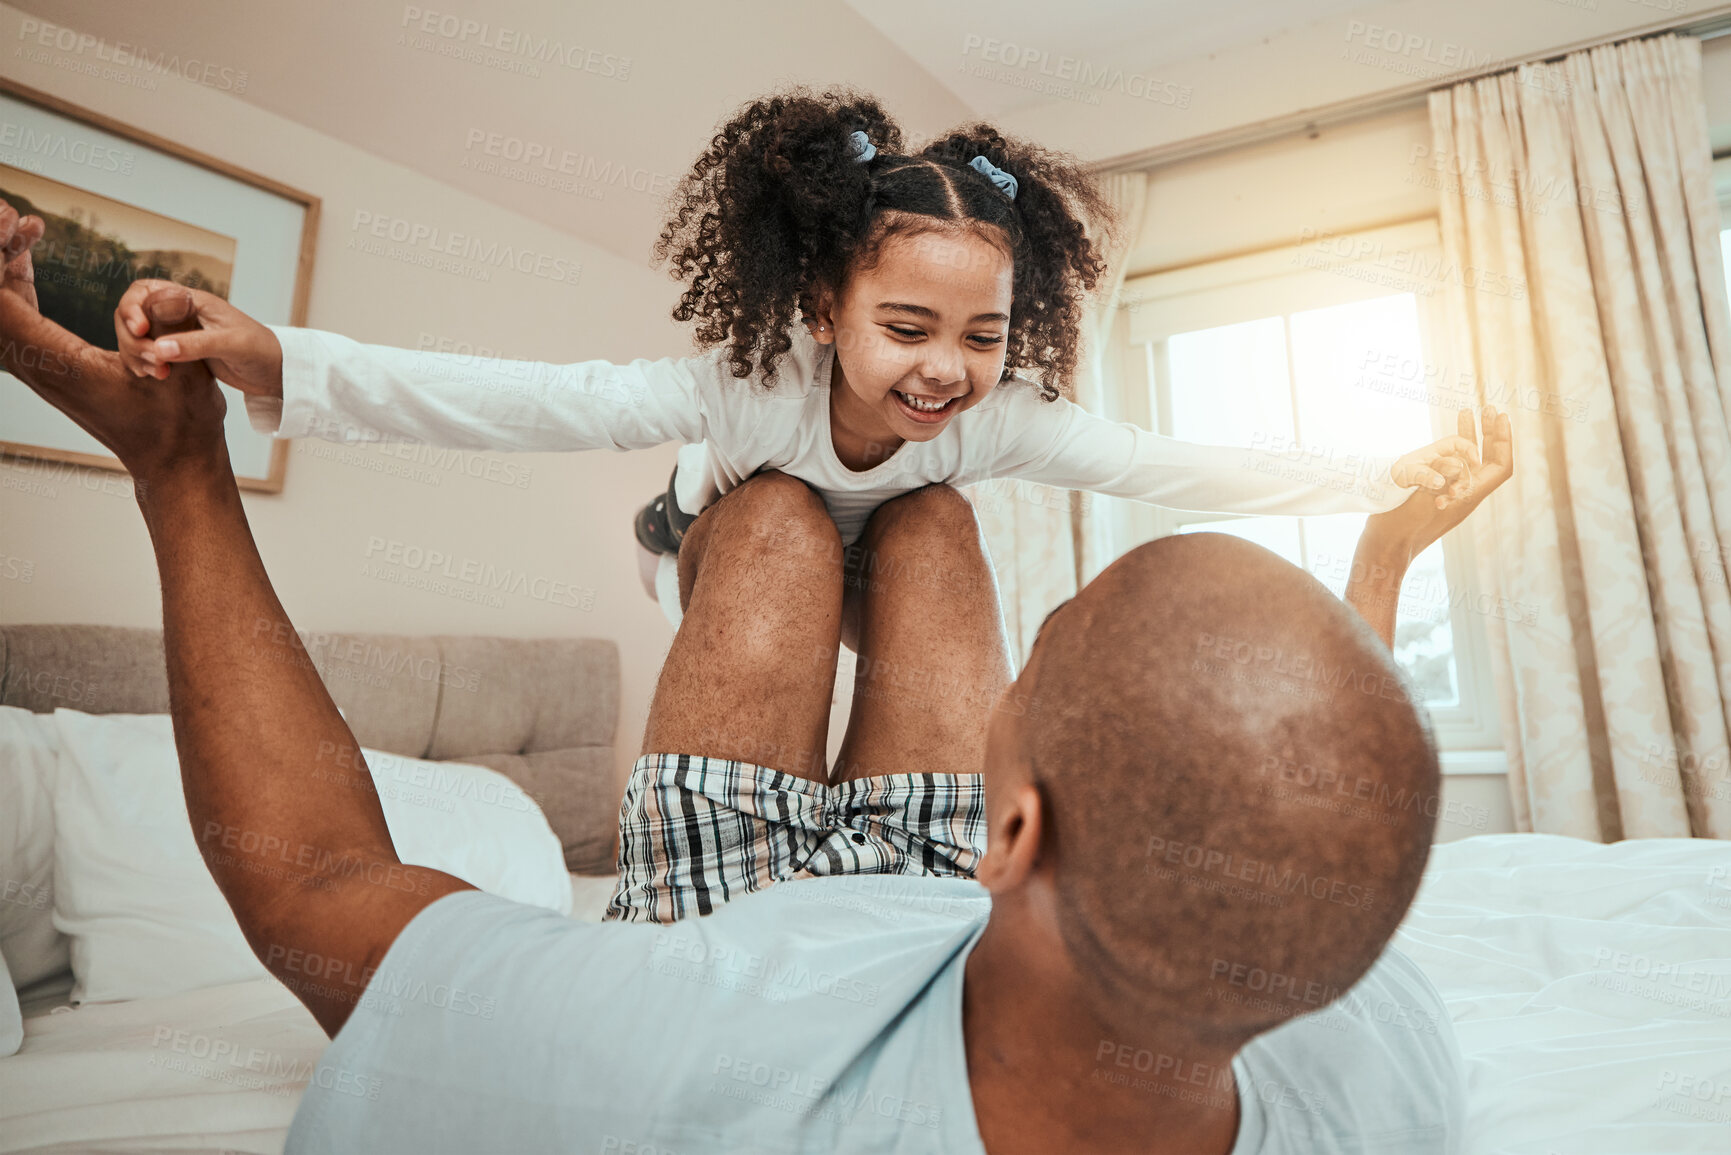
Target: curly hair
777, 208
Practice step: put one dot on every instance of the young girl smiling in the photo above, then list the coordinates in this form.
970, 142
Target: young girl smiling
877, 321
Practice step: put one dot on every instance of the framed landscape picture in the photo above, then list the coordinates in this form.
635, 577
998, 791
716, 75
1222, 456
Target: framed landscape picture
121, 204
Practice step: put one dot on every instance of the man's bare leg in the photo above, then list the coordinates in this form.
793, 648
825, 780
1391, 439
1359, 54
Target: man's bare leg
752, 668
933, 655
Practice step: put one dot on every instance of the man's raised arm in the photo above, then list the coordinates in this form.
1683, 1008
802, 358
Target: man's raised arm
281, 803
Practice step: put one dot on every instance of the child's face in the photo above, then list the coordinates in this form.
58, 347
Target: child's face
920, 336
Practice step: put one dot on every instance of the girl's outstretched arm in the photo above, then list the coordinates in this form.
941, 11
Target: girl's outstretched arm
309, 383
1060, 443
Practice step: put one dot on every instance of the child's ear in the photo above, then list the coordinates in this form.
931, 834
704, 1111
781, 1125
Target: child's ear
819, 319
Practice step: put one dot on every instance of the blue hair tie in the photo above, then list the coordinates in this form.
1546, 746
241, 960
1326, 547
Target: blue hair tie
863, 148
1004, 181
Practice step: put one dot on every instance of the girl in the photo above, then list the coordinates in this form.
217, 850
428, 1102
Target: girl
938, 298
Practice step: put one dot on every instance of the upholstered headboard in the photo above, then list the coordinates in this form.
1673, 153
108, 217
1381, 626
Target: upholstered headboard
540, 710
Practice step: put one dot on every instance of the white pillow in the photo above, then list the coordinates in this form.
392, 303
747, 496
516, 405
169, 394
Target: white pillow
145, 916
29, 754
11, 1018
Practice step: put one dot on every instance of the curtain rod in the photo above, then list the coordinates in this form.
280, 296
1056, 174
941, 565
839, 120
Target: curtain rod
1708, 25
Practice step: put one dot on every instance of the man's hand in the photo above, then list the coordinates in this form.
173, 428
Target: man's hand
1392, 540
237, 349
1411, 527
149, 427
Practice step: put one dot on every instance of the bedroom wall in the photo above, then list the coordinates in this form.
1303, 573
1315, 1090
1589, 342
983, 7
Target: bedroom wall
74, 548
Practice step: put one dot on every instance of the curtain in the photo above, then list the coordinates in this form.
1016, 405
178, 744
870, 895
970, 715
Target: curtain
1586, 296
1046, 543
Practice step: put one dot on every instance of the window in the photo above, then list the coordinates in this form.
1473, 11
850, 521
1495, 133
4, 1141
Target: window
1722, 186
1325, 353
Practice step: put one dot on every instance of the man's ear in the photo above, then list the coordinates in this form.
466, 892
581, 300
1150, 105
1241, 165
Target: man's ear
1013, 839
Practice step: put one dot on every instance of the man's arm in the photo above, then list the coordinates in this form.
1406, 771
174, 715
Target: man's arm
280, 800
1392, 540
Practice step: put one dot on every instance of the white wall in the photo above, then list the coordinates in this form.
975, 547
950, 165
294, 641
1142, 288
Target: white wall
82, 540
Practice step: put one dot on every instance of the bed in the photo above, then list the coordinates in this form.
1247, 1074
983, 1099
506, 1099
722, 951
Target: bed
1590, 986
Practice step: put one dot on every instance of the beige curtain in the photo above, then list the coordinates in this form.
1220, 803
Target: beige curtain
1586, 292
1046, 542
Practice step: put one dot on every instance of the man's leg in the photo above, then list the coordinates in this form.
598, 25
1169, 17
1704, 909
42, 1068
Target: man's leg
752, 668
729, 796
933, 655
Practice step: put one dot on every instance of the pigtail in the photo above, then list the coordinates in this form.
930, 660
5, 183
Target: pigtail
1064, 223
775, 205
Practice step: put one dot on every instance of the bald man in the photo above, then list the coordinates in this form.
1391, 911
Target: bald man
1207, 800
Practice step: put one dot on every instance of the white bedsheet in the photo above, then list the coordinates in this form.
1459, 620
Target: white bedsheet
1590, 988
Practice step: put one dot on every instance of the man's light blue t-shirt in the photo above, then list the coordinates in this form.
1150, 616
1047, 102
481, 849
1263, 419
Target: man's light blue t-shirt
818, 1015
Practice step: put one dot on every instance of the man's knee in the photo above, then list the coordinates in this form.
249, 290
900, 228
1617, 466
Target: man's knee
778, 514
933, 518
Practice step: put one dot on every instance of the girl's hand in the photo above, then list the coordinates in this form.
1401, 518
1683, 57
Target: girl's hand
1442, 467
1409, 528
238, 350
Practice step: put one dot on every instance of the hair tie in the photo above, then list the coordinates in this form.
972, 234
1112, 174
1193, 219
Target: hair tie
1005, 183
863, 148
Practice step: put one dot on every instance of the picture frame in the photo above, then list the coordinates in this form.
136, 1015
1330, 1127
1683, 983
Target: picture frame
122, 202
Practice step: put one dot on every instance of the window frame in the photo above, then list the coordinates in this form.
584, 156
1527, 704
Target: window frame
1278, 282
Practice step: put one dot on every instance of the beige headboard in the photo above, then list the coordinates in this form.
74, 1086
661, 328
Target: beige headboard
540, 710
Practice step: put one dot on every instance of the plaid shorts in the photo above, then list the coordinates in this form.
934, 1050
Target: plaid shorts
695, 832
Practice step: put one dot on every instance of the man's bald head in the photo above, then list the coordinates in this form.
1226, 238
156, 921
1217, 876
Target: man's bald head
1239, 794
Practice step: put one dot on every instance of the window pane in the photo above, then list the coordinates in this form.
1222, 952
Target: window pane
1229, 385
1423, 635
1725, 254
1357, 388
1359, 377
1279, 534
1424, 641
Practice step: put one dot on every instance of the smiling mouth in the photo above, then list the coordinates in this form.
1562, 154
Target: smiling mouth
926, 407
